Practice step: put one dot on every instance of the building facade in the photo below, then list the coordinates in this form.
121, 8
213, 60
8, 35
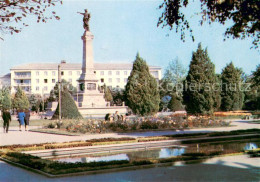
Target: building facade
40, 78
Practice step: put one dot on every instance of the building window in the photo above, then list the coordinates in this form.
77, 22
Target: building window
78, 72
109, 72
125, 80
37, 73
70, 73
110, 80
37, 81
45, 88
125, 72
62, 73
70, 80
53, 80
117, 72
37, 88
45, 73
118, 80
101, 72
53, 73
45, 80
102, 80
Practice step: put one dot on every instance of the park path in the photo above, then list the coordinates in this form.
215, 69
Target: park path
14, 136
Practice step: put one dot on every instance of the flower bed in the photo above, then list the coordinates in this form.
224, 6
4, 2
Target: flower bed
137, 124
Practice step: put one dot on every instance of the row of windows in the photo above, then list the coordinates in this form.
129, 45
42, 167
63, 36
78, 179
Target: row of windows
54, 73
78, 73
110, 80
52, 80
110, 72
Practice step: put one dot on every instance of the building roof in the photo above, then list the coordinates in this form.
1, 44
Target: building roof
76, 66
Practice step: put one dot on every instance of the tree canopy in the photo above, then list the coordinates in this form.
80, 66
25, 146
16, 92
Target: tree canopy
141, 89
231, 93
13, 13
243, 13
20, 100
199, 95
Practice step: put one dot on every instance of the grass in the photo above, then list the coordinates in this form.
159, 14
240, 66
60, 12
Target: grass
40, 122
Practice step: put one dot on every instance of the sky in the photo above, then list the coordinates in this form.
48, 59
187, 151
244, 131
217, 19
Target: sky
121, 29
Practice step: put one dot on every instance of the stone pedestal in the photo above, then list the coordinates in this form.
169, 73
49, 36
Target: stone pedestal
89, 96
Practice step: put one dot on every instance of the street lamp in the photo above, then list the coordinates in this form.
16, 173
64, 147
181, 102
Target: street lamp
59, 82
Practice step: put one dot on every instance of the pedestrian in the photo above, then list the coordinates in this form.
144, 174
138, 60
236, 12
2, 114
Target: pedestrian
21, 116
26, 119
7, 118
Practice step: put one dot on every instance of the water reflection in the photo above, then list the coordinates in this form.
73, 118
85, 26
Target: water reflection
250, 146
164, 152
169, 152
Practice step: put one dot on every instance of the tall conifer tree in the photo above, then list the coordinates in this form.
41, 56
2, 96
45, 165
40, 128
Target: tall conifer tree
199, 93
231, 93
141, 90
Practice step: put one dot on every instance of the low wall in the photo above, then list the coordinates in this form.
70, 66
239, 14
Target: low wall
101, 112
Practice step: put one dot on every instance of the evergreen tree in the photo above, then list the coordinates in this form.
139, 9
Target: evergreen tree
20, 100
6, 100
199, 93
175, 103
141, 89
69, 109
232, 95
107, 94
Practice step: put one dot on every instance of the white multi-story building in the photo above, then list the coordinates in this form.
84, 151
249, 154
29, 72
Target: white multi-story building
40, 78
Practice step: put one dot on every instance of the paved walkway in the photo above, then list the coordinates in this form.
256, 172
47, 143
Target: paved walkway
16, 137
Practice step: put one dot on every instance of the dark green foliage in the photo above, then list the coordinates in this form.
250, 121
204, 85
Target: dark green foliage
244, 13
69, 109
5, 99
252, 95
108, 94
20, 100
141, 90
119, 96
232, 95
35, 102
175, 103
199, 95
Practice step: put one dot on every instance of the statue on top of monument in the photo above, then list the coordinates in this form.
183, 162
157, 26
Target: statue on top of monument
86, 18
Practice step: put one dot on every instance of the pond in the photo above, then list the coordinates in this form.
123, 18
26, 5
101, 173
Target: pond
164, 152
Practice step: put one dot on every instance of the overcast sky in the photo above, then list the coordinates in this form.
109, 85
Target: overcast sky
121, 29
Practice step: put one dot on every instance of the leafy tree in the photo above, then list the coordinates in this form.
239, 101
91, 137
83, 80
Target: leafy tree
141, 89
252, 94
232, 94
69, 109
65, 86
13, 12
119, 96
243, 13
35, 101
6, 101
199, 94
172, 82
20, 100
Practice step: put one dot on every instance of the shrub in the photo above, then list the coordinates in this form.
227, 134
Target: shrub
69, 109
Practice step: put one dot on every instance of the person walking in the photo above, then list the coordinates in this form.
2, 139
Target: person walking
26, 119
7, 118
21, 116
